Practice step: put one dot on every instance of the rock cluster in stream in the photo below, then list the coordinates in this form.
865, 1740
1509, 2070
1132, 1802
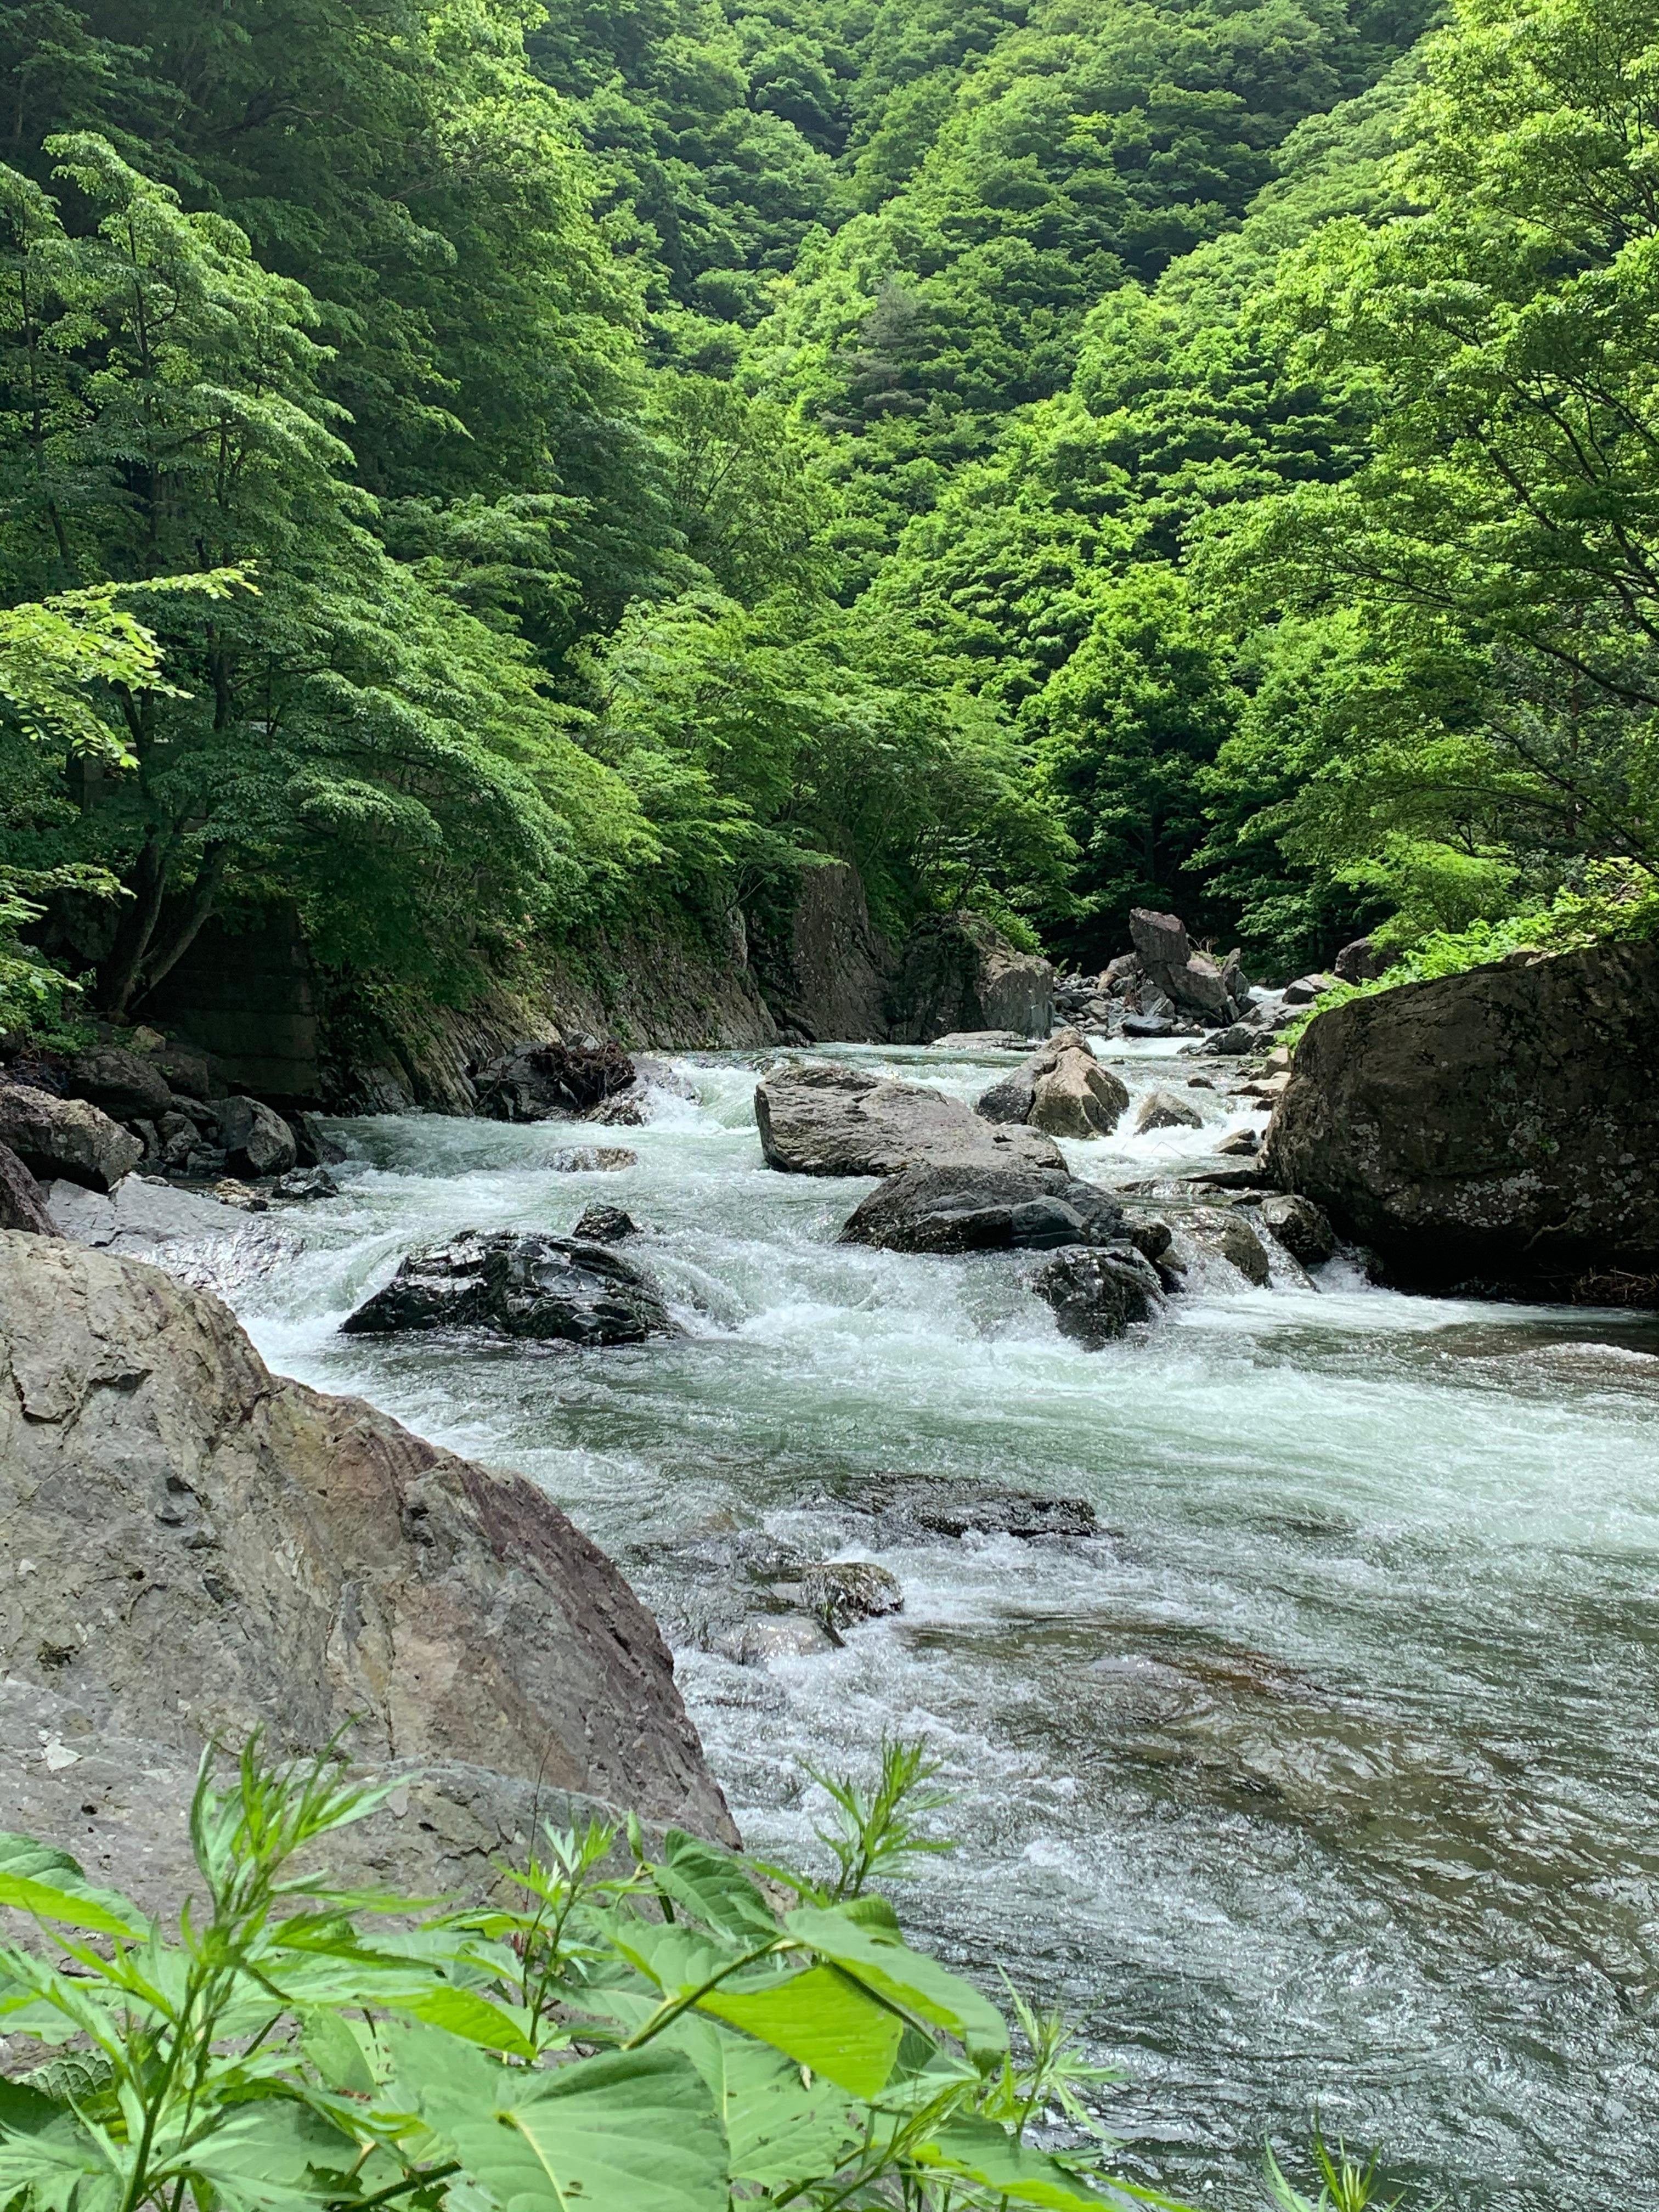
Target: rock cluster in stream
1062, 1089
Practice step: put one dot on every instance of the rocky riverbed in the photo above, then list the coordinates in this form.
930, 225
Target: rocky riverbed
1293, 1653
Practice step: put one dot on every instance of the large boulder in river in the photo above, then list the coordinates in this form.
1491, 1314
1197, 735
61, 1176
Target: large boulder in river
959, 972
816, 1119
1498, 1128
984, 1209
195, 1547
122, 1083
518, 1284
1062, 1088
67, 1136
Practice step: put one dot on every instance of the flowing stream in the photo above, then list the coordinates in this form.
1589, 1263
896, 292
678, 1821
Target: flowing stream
1323, 1776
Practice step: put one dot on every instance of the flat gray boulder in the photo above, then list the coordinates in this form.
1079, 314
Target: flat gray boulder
816, 1119
66, 1136
984, 1209
517, 1285
195, 1547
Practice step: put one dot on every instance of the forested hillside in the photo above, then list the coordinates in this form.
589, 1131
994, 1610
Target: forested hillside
486, 471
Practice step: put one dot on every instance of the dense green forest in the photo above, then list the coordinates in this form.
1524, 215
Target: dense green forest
489, 471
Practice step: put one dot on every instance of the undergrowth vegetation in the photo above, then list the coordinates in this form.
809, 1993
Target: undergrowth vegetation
615, 2028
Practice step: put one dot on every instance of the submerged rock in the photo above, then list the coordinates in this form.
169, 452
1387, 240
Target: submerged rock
222, 1548
1498, 1130
66, 1136
984, 1209
816, 1119
590, 1159
841, 1591
605, 1224
518, 1284
1097, 1293
905, 1505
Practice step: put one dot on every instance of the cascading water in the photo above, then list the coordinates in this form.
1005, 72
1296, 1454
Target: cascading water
1323, 1776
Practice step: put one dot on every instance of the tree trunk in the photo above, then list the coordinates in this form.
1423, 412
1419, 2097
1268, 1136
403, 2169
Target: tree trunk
118, 976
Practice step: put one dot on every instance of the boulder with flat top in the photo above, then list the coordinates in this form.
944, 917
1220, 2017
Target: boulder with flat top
516, 1285
819, 1119
984, 1209
66, 1136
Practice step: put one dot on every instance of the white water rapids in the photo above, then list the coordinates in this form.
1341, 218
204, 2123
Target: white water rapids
1325, 1776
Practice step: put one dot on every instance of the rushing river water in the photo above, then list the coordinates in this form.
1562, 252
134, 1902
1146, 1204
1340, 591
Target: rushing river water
1325, 1776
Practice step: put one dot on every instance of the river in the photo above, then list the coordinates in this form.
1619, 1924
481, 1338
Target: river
1324, 1776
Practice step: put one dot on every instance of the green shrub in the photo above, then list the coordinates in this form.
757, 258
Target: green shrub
685, 2032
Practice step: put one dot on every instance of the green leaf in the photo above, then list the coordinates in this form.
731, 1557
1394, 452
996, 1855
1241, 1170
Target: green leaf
630, 2131
61, 2167
819, 2018
36, 1878
779, 2128
906, 1977
273, 2151
981, 2151
330, 2043
473, 2018
713, 1886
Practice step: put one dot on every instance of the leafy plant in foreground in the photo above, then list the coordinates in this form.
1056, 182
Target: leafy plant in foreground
654, 2038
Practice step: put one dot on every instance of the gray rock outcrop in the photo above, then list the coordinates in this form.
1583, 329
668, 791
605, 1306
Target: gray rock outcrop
1162, 1109
983, 1209
959, 972
826, 972
67, 1136
517, 1284
123, 1084
1215, 990
1498, 1130
195, 1547
819, 1119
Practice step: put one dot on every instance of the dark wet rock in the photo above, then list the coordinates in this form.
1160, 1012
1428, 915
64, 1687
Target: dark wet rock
520, 1284
984, 1209
307, 1183
312, 1145
1300, 1226
1148, 1026
254, 1138
65, 1137
905, 1505
222, 1549
123, 1084
1162, 1109
1498, 1128
1097, 1293
818, 1118
22, 1202
552, 1081
1360, 961
1245, 1250
605, 1224
1150, 1234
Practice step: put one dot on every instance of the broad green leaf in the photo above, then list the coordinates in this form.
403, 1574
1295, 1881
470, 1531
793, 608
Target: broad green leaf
65, 1906
678, 1959
331, 2045
981, 2151
711, 1885
630, 2131
779, 2128
473, 2018
819, 2018
272, 2152
62, 2166
31, 1861
907, 1977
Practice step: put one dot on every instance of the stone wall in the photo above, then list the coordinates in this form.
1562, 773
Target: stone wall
249, 998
